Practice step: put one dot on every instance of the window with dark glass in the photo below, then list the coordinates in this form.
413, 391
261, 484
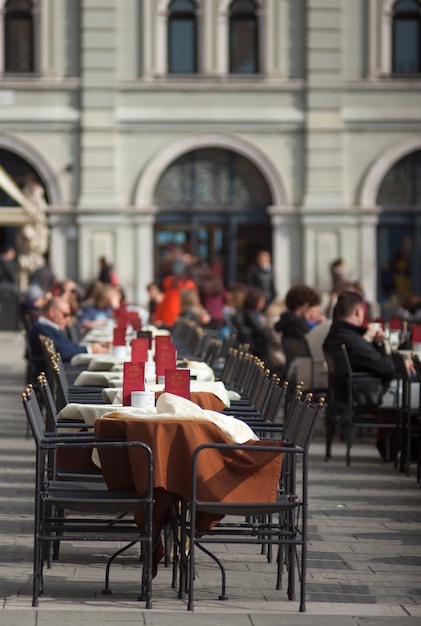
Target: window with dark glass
18, 36
209, 177
407, 37
182, 37
243, 38
399, 230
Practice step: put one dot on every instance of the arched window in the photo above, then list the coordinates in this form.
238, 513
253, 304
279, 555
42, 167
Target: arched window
243, 38
213, 202
399, 231
212, 177
19, 36
182, 37
402, 184
406, 37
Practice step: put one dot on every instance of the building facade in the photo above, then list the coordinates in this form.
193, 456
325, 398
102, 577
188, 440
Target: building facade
223, 126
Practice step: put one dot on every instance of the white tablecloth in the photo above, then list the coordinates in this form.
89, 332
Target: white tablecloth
114, 395
167, 406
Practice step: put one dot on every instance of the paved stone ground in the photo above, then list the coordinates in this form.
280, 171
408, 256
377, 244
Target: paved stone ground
363, 563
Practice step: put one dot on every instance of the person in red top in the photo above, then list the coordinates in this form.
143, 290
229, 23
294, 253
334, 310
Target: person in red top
168, 309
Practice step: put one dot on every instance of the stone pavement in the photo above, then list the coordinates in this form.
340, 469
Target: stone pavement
363, 563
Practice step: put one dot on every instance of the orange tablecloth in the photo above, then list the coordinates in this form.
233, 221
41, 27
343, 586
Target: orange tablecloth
235, 477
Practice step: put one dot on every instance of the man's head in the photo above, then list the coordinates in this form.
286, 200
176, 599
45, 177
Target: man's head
57, 310
263, 259
350, 307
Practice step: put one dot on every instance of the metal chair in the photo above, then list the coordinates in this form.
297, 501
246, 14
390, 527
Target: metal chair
93, 512
298, 353
281, 522
343, 391
417, 421
409, 412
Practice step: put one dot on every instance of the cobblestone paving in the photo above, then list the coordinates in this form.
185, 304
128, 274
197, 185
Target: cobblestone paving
363, 563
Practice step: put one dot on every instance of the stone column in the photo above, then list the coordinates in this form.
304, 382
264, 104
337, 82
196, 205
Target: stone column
143, 252
369, 219
286, 249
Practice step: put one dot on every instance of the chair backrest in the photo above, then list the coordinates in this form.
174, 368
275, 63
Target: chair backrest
302, 419
338, 363
275, 409
260, 386
399, 363
33, 414
228, 371
244, 371
48, 403
295, 347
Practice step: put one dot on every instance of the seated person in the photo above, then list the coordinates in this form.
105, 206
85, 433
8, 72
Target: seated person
364, 344
52, 323
249, 322
97, 313
31, 305
365, 350
301, 301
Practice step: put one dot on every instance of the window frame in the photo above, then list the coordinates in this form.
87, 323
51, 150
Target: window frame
237, 17
403, 16
172, 18
34, 52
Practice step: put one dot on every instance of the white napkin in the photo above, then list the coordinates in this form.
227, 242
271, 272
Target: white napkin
170, 406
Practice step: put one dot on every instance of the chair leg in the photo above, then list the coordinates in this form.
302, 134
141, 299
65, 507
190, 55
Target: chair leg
349, 438
330, 428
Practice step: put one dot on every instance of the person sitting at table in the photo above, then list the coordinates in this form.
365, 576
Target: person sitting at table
303, 307
365, 348
52, 323
96, 314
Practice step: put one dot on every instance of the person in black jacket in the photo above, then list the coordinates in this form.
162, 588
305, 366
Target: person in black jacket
249, 322
260, 274
364, 345
300, 300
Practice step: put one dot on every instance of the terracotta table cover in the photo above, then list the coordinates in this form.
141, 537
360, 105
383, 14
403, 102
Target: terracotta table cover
238, 476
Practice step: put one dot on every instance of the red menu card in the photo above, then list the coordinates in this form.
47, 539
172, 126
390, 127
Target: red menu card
178, 382
119, 336
140, 349
165, 357
134, 320
121, 317
133, 380
162, 339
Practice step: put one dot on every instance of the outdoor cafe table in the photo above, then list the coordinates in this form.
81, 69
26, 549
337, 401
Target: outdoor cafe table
80, 459
235, 477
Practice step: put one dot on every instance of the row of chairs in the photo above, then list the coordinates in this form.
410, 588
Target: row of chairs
81, 510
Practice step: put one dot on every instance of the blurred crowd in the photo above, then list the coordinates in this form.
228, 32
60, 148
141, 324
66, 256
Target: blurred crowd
250, 312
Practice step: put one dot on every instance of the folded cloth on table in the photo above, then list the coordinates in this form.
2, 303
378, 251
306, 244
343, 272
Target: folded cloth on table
169, 406
109, 394
105, 363
200, 370
84, 358
90, 412
97, 379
